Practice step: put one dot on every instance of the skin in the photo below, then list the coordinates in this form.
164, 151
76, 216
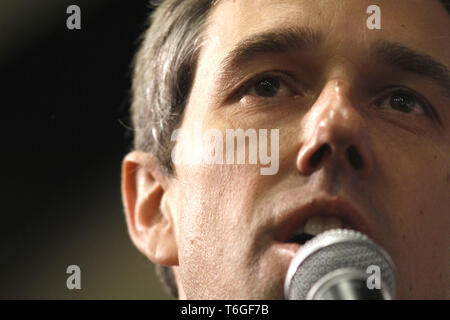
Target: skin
215, 224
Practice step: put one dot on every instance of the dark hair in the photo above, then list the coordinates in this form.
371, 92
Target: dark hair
164, 68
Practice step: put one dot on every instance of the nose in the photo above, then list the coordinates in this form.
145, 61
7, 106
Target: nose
336, 134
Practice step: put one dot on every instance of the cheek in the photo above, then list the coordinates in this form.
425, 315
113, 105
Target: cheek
418, 189
215, 230
411, 172
212, 215
416, 199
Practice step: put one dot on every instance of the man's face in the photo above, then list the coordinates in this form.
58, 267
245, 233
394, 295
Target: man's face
358, 123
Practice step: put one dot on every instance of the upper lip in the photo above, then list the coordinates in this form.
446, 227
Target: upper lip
337, 207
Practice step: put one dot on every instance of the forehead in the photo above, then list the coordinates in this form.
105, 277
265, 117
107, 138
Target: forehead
417, 23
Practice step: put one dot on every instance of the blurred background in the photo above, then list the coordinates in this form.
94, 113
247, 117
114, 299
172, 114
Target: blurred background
65, 98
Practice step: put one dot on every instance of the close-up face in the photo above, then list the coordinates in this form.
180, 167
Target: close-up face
363, 123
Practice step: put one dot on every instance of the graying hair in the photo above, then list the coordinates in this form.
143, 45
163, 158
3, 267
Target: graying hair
163, 73
164, 68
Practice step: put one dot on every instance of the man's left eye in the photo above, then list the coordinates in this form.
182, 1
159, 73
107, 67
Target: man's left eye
403, 102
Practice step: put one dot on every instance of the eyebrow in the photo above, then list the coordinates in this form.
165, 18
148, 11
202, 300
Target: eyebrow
276, 41
272, 41
409, 60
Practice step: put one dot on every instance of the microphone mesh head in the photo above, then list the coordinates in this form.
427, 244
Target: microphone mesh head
332, 250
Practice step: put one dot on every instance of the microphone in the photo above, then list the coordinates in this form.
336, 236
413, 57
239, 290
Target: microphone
340, 264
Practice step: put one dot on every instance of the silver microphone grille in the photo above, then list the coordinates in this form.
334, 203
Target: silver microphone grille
337, 249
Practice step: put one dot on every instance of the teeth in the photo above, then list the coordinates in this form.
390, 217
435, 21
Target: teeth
316, 224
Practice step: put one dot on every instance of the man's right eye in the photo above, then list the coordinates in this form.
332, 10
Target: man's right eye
268, 87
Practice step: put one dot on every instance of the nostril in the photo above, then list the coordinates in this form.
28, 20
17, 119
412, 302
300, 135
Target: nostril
355, 158
319, 155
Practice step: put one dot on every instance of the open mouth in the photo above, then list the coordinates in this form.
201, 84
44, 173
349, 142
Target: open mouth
301, 238
315, 225
303, 223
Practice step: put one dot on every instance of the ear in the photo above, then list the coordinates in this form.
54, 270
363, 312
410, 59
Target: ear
148, 215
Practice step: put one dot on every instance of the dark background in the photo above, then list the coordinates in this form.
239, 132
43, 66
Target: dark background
65, 99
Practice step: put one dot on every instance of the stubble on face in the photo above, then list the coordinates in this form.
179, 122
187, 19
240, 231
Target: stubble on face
224, 212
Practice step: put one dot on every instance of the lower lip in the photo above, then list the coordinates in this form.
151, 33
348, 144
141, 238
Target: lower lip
290, 246
286, 250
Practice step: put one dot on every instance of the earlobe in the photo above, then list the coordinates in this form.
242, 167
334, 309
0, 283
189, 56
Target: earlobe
150, 223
